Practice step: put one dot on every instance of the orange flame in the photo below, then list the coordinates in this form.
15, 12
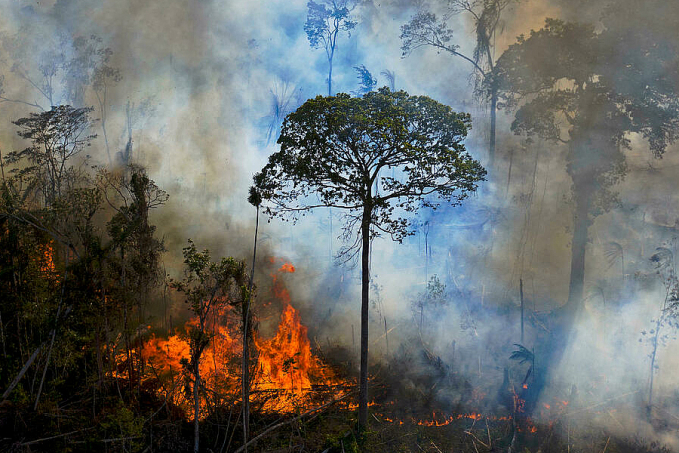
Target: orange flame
442, 420
287, 267
285, 366
45, 260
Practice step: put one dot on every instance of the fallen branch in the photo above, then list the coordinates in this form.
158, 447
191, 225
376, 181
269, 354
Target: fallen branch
54, 437
437, 448
292, 420
383, 335
477, 439
118, 439
22, 372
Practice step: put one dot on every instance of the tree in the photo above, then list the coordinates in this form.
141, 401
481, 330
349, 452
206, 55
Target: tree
425, 29
207, 286
663, 260
61, 73
324, 22
76, 293
570, 86
334, 152
255, 200
136, 249
56, 136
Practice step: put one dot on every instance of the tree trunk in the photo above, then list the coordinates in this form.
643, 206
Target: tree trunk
365, 287
246, 349
196, 404
493, 122
578, 248
330, 74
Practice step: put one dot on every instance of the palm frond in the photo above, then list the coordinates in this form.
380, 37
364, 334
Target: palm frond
613, 252
522, 354
391, 77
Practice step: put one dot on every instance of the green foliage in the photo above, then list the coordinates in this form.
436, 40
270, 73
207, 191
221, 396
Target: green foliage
208, 285
206, 281
44, 170
335, 150
434, 297
119, 422
70, 290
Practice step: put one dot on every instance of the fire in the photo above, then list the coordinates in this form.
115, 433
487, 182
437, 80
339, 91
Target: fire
168, 360
287, 267
285, 361
283, 378
45, 261
440, 419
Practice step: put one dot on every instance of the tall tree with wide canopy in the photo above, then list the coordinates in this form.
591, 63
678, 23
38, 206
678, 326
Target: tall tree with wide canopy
335, 151
589, 91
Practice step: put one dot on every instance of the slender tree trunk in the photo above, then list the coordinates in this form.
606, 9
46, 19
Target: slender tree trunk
196, 404
653, 356
509, 170
521, 294
493, 122
102, 111
2, 331
25, 368
365, 286
658, 326
246, 349
100, 360
54, 334
330, 76
47, 363
578, 248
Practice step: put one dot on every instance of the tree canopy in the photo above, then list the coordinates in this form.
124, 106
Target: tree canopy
334, 150
569, 84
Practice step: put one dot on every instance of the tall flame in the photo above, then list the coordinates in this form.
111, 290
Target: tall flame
285, 365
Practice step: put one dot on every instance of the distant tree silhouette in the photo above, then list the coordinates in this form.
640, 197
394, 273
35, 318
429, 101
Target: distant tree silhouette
325, 20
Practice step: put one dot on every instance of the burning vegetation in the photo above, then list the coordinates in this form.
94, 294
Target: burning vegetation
286, 375
508, 287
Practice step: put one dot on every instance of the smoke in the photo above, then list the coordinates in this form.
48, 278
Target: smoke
202, 84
